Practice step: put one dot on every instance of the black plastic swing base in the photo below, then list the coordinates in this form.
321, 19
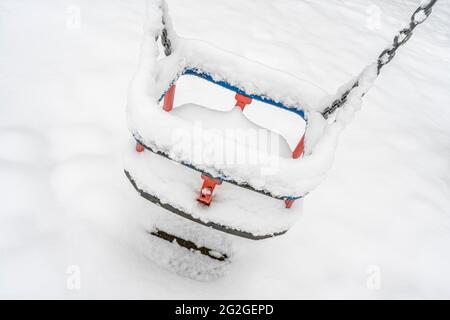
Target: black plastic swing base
189, 245
226, 229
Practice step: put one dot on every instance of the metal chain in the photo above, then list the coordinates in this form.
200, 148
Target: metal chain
418, 17
165, 41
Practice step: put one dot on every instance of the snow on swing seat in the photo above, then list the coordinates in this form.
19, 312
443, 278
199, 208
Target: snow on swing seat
233, 125
212, 109
168, 183
234, 210
155, 128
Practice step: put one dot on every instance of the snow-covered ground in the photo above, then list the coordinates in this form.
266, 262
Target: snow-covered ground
378, 227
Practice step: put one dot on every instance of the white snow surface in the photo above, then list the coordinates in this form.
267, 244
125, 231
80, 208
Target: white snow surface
382, 215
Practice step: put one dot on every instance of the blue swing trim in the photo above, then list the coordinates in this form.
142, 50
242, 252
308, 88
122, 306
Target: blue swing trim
206, 76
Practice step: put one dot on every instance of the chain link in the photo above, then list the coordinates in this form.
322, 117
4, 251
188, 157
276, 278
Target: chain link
165, 41
418, 17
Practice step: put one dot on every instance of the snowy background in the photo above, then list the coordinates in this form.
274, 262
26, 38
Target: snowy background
378, 227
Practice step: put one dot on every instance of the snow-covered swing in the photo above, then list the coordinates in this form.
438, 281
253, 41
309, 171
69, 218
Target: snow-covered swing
242, 99
257, 199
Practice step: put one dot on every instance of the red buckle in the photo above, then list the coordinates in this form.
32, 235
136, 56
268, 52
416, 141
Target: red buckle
169, 98
242, 101
289, 203
139, 147
299, 148
206, 192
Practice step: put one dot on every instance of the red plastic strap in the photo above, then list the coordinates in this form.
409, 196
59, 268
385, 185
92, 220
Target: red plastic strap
168, 99
289, 203
242, 101
298, 151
